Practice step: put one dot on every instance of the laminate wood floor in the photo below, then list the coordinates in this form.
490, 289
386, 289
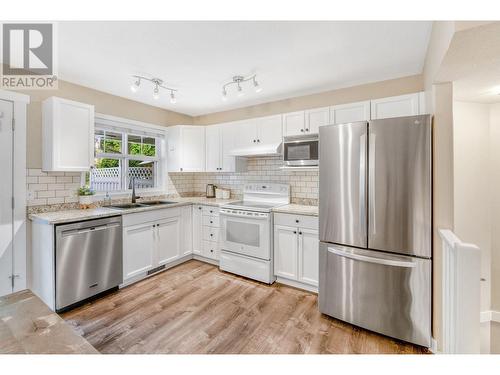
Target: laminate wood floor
195, 308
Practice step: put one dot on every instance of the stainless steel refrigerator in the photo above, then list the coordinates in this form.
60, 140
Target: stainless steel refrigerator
375, 217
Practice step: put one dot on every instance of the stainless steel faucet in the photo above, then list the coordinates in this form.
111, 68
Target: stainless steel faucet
132, 186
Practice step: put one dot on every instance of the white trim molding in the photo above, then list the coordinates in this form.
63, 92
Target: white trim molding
14, 97
490, 316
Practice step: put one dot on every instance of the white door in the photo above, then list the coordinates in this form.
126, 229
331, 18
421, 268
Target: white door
294, 123
193, 148
315, 118
308, 256
395, 106
168, 240
285, 252
6, 193
187, 230
213, 148
269, 130
245, 134
351, 112
197, 229
138, 249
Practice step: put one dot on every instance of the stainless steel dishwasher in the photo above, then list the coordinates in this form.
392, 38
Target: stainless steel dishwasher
89, 259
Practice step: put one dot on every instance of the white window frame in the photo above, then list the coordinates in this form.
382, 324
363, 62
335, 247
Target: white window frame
127, 127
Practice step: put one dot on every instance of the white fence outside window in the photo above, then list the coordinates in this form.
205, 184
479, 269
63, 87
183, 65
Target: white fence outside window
109, 179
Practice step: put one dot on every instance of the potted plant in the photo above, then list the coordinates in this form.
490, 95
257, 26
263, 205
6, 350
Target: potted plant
85, 195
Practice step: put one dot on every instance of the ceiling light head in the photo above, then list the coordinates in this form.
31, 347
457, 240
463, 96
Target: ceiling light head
173, 99
135, 86
256, 85
156, 92
240, 90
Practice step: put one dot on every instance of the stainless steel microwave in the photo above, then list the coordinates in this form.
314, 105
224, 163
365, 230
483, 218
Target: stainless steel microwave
301, 151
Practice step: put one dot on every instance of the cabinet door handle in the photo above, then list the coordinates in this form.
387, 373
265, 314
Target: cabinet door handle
211, 234
297, 221
211, 222
302, 130
294, 232
254, 140
258, 140
300, 233
307, 129
180, 169
199, 208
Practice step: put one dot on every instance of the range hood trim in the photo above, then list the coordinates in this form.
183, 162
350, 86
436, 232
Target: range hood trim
272, 149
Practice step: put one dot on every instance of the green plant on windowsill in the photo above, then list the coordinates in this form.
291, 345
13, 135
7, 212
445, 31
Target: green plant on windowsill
85, 197
85, 191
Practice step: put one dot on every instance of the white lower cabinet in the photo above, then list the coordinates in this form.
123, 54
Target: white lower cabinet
138, 249
285, 252
167, 236
308, 256
154, 238
296, 250
206, 229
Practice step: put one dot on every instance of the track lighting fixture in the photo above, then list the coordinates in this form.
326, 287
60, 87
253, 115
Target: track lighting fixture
238, 80
157, 84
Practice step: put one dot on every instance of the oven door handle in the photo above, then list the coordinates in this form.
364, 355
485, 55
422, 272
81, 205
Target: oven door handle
244, 216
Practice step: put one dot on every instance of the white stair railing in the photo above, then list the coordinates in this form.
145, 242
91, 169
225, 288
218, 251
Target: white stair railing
461, 295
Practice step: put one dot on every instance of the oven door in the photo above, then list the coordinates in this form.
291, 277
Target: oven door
301, 152
247, 233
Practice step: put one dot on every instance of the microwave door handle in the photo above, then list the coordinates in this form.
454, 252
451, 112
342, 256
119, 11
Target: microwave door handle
372, 259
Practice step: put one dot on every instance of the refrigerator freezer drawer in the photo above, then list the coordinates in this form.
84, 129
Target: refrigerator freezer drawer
388, 294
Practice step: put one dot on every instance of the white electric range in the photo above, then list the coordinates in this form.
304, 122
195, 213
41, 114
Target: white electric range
247, 231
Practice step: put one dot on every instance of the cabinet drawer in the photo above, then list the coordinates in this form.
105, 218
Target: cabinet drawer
211, 221
210, 234
210, 210
302, 221
148, 216
210, 249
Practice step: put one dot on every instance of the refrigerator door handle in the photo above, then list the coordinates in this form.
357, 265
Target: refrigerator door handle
370, 259
362, 180
371, 182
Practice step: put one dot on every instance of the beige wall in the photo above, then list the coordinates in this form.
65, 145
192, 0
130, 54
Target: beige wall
442, 189
495, 210
375, 90
104, 103
473, 183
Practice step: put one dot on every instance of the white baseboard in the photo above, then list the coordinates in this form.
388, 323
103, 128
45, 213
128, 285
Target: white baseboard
297, 284
490, 316
434, 346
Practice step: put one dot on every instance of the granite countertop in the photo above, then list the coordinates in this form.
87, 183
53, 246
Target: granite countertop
297, 209
68, 216
27, 326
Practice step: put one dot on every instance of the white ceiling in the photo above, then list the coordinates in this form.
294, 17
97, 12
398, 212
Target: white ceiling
290, 58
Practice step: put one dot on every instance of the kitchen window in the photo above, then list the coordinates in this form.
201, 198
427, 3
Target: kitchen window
122, 153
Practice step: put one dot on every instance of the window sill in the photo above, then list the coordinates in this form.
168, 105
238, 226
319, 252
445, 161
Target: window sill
127, 193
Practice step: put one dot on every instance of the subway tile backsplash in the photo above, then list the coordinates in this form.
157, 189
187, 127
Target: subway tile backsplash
303, 184
59, 188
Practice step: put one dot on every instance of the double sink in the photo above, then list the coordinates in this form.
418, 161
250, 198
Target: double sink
129, 206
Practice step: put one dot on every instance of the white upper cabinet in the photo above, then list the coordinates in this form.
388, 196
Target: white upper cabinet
351, 112
245, 134
294, 123
213, 148
315, 118
269, 130
397, 106
186, 148
67, 135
